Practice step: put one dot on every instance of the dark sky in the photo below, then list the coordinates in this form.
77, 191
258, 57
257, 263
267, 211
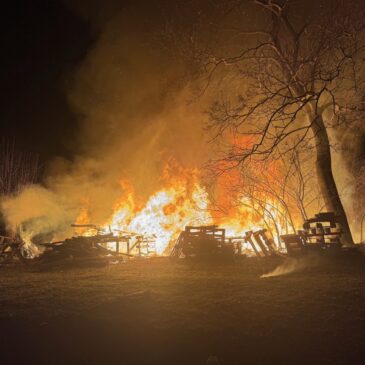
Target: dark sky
42, 44
42, 41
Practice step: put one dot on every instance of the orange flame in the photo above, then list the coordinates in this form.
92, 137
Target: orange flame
181, 200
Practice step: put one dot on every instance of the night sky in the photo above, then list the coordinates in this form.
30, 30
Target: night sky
42, 42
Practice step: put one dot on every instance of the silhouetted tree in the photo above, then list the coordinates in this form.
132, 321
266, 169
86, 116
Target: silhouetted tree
17, 168
286, 84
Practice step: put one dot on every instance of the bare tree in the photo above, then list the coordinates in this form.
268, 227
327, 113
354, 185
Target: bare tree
279, 192
302, 185
291, 81
17, 168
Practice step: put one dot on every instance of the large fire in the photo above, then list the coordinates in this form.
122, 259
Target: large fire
180, 200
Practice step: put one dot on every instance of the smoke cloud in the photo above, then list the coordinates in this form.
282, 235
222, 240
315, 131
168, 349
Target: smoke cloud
132, 101
37, 213
131, 95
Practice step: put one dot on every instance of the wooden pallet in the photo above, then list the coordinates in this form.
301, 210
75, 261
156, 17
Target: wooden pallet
202, 241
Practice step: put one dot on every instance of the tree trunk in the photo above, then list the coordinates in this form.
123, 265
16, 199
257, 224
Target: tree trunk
326, 180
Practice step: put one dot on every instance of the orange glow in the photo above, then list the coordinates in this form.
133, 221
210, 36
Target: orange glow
179, 201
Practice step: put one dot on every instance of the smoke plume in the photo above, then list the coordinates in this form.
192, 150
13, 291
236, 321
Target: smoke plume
131, 99
37, 214
130, 94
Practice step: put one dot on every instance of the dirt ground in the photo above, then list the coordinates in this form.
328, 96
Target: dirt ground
159, 312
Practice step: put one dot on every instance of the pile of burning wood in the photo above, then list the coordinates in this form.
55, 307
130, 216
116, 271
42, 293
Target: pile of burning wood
193, 242
12, 248
211, 242
319, 233
100, 246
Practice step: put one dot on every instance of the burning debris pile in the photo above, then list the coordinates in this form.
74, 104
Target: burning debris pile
177, 219
80, 247
321, 233
12, 248
199, 242
204, 241
101, 245
211, 241
142, 224
194, 242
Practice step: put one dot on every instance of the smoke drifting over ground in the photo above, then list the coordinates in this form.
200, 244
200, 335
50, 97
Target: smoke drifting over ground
291, 265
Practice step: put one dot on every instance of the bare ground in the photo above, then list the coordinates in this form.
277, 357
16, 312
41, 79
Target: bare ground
159, 312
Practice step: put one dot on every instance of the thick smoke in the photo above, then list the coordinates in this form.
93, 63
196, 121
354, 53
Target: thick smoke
37, 213
132, 101
131, 95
